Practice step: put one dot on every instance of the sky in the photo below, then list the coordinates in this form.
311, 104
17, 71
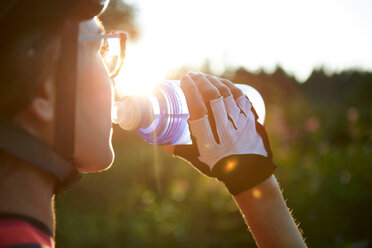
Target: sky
298, 35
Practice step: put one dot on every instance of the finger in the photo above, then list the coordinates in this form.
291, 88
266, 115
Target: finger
234, 90
195, 104
232, 109
245, 105
207, 90
222, 88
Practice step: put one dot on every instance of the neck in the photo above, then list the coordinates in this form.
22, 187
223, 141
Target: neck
26, 190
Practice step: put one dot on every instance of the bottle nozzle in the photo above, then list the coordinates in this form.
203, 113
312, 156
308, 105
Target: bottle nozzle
132, 112
127, 113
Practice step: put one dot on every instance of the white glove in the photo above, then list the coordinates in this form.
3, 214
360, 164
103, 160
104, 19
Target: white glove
228, 142
236, 136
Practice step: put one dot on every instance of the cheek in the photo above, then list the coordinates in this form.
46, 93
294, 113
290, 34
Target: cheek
93, 115
95, 90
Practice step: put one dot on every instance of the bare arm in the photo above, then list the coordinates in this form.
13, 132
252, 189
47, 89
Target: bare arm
268, 217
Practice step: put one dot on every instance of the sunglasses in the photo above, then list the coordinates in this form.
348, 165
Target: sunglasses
112, 49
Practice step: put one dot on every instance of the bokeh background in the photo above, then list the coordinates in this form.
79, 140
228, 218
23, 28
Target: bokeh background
318, 119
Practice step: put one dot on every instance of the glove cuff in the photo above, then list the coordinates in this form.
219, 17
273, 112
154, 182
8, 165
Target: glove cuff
242, 172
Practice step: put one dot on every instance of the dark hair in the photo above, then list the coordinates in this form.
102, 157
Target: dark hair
29, 45
28, 57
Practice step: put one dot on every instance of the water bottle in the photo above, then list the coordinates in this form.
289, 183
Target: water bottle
162, 118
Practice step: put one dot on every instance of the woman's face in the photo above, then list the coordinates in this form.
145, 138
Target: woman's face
93, 150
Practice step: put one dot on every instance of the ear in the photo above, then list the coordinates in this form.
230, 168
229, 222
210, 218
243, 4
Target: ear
42, 105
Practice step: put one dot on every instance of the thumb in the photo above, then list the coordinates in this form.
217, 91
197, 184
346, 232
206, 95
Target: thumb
169, 148
186, 152
190, 154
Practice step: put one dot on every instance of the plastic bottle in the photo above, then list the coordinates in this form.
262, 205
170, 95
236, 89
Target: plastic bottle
162, 118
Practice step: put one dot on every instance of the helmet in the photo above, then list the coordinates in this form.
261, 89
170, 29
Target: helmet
25, 16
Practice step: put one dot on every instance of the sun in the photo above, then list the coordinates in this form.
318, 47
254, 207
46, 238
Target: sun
141, 72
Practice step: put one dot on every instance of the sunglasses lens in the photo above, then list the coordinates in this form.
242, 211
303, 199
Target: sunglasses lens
111, 54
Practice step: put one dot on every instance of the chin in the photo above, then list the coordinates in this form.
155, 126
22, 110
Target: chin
96, 162
96, 157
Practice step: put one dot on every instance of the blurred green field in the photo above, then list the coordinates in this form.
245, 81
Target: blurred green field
321, 137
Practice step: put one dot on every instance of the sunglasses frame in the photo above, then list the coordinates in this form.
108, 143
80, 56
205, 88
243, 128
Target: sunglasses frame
110, 34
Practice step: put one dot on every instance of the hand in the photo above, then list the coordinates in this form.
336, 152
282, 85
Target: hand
228, 142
